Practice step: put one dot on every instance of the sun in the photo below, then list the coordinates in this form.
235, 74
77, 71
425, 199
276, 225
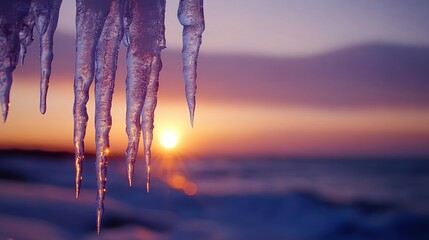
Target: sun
169, 139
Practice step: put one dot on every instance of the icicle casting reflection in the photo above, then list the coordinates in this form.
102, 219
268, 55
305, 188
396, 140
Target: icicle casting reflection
100, 27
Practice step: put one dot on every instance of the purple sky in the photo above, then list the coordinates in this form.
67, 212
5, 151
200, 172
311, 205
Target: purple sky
296, 27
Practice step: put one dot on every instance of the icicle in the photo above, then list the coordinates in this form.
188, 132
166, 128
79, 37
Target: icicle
12, 14
100, 26
148, 113
26, 31
90, 18
191, 16
134, 98
144, 36
46, 25
41, 9
106, 64
5, 84
44, 15
26, 36
133, 94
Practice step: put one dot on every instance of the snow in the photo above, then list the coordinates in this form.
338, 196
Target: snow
238, 198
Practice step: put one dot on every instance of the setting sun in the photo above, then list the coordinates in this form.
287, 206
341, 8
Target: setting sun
169, 139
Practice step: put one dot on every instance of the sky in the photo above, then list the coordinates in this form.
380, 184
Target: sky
291, 27
334, 77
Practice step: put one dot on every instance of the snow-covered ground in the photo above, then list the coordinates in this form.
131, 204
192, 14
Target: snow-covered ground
258, 198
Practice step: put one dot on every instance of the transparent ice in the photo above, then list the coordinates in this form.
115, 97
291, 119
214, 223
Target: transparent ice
191, 16
12, 14
100, 28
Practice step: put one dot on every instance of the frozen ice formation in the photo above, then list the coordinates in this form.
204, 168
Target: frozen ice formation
144, 34
12, 14
100, 28
17, 20
43, 14
191, 16
99, 31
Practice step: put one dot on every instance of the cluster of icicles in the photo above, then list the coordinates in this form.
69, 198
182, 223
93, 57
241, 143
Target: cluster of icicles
101, 25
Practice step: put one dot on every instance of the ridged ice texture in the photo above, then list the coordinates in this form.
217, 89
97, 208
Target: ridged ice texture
191, 16
90, 18
99, 32
12, 14
44, 15
26, 33
105, 71
18, 19
46, 24
100, 27
148, 114
144, 38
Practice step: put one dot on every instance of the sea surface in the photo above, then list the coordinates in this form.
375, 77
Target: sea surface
257, 197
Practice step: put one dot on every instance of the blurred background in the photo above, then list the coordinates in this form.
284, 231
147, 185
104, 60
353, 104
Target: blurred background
312, 122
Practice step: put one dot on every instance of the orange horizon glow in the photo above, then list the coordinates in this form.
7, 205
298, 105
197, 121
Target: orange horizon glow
224, 128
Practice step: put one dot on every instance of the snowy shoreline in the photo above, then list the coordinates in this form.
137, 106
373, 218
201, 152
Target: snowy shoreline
37, 194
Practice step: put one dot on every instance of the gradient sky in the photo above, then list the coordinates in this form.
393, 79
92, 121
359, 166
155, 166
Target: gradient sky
273, 79
295, 27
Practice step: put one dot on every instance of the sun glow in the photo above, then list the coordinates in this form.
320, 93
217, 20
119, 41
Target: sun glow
169, 139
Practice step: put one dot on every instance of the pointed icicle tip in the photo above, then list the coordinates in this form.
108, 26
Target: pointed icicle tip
99, 216
98, 222
148, 179
4, 116
77, 189
22, 59
191, 116
130, 171
5, 110
130, 181
78, 177
43, 94
42, 108
191, 106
